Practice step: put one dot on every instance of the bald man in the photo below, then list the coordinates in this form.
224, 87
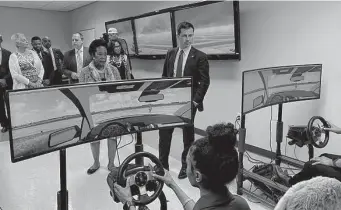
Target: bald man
6, 83
57, 60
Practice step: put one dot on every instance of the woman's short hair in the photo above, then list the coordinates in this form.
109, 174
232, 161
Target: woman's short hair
96, 43
318, 193
215, 155
19, 39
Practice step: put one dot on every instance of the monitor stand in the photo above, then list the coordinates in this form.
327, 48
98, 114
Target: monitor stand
62, 195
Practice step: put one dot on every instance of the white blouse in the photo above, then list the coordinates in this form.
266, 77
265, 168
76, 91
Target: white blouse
19, 81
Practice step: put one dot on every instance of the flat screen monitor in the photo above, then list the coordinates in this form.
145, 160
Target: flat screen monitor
154, 34
125, 32
277, 85
214, 27
49, 119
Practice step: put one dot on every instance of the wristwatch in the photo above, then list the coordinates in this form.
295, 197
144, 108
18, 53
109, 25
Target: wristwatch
127, 205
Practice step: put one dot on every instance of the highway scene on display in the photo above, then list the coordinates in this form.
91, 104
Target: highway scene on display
46, 120
276, 85
211, 40
33, 139
213, 34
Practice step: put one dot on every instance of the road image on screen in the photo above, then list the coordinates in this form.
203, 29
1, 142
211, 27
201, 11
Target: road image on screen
48, 119
270, 86
153, 34
214, 27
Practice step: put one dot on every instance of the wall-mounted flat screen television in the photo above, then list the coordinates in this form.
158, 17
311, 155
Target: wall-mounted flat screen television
125, 32
216, 23
154, 34
48, 119
276, 85
214, 27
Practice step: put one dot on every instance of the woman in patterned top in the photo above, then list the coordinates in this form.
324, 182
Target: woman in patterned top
25, 66
119, 59
100, 70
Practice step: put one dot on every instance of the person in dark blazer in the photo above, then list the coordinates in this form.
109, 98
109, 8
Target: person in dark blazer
76, 59
6, 83
57, 60
183, 61
45, 58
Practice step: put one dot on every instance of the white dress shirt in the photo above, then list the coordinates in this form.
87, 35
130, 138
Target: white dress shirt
185, 56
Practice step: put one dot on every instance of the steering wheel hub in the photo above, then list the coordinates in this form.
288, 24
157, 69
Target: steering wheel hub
141, 179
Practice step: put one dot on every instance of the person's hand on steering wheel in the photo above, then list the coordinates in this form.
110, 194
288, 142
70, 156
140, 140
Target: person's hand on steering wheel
323, 161
124, 194
333, 128
167, 178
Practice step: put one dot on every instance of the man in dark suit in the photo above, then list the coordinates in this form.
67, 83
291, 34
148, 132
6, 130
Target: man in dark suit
185, 60
45, 59
76, 59
6, 83
57, 60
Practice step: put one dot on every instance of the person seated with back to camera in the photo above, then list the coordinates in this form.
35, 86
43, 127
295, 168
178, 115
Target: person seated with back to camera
212, 163
327, 165
319, 193
100, 70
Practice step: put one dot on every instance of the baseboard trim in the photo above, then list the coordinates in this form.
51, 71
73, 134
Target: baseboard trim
248, 147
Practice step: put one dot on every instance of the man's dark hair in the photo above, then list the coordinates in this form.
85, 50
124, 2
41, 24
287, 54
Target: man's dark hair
80, 35
184, 25
35, 38
215, 156
96, 43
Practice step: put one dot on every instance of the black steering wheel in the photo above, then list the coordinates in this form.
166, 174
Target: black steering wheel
141, 177
314, 133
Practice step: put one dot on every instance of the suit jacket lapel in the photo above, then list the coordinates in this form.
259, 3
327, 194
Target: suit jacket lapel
172, 60
2, 56
189, 60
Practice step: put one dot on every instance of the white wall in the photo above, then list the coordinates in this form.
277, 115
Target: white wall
32, 22
272, 34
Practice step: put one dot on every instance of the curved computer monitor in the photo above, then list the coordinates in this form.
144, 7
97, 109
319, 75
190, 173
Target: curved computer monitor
277, 85
49, 119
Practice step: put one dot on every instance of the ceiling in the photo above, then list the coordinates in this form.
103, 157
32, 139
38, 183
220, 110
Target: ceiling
53, 5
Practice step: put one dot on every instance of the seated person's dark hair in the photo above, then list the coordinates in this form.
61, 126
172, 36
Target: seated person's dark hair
215, 156
96, 43
35, 38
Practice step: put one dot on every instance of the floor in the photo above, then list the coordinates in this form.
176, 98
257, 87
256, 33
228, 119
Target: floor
33, 184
